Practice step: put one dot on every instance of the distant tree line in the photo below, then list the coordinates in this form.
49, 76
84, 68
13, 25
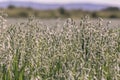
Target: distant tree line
111, 9
11, 7
62, 12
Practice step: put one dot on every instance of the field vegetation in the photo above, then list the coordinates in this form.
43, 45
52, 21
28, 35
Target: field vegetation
16, 12
34, 51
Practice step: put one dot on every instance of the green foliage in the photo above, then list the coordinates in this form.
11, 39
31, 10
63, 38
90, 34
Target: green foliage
113, 16
23, 14
94, 15
112, 9
11, 7
62, 11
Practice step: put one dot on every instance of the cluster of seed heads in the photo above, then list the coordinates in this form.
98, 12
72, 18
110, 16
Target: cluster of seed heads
34, 51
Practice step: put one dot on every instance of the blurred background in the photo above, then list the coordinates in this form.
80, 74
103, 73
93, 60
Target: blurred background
61, 8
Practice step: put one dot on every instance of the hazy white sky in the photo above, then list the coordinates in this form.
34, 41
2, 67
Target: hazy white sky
114, 2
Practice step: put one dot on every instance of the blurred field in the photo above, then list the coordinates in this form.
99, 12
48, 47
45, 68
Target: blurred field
110, 12
53, 22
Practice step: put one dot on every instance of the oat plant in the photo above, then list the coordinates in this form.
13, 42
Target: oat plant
69, 51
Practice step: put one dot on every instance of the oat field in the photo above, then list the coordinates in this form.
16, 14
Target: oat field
67, 50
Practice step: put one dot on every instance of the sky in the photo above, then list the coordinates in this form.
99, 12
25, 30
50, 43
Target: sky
111, 2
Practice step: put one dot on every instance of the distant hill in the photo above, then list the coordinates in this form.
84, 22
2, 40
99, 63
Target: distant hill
42, 6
